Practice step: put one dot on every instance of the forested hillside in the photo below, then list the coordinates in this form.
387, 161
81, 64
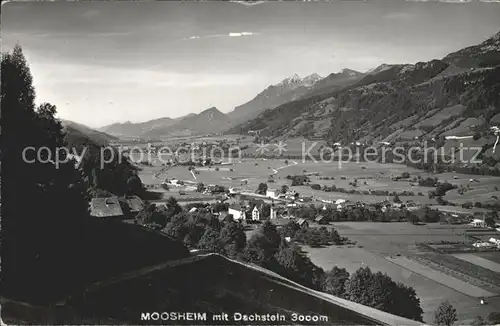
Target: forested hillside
51, 245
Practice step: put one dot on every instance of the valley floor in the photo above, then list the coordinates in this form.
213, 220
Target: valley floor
378, 247
382, 243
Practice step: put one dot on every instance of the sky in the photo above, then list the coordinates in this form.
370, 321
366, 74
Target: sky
106, 62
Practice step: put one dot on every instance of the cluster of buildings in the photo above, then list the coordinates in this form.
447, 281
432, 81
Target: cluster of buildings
278, 194
492, 243
256, 213
214, 189
253, 212
174, 182
385, 205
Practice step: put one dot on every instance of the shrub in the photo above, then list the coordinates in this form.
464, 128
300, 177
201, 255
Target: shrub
316, 186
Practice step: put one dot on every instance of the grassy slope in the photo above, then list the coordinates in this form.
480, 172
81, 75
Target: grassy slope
214, 284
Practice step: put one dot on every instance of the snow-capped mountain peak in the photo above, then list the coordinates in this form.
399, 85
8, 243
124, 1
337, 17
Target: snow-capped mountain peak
291, 80
311, 79
296, 80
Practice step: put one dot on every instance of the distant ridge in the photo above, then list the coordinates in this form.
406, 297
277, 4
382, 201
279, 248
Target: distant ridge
77, 133
208, 121
400, 103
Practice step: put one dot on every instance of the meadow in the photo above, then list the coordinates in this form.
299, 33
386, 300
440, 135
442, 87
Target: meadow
483, 189
480, 261
246, 174
371, 176
491, 256
383, 246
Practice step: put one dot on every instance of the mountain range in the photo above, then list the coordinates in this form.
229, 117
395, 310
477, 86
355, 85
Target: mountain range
208, 121
214, 121
453, 96
457, 94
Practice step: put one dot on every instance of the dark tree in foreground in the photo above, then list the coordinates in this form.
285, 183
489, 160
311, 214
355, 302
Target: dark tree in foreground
233, 238
269, 231
335, 280
379, 291
173, 206
262, 246
210, 240
445, 314
42, 200
51, 246
259, 251
295, 265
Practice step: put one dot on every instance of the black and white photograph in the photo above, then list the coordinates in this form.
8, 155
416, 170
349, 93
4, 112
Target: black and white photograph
250, 162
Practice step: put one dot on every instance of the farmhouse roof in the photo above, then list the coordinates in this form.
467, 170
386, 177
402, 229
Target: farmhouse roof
224, 215
258, 202
281, 221
236, 207
105, 207
319, 218
134, 203
301, 221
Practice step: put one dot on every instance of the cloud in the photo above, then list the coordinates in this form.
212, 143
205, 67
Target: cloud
241, 34
231, 34
248, 3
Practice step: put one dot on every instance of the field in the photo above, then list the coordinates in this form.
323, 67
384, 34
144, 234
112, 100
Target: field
481, 191
480, 261
397, 237
461, 269
378, 247
493, 256
248, 173
442, 278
